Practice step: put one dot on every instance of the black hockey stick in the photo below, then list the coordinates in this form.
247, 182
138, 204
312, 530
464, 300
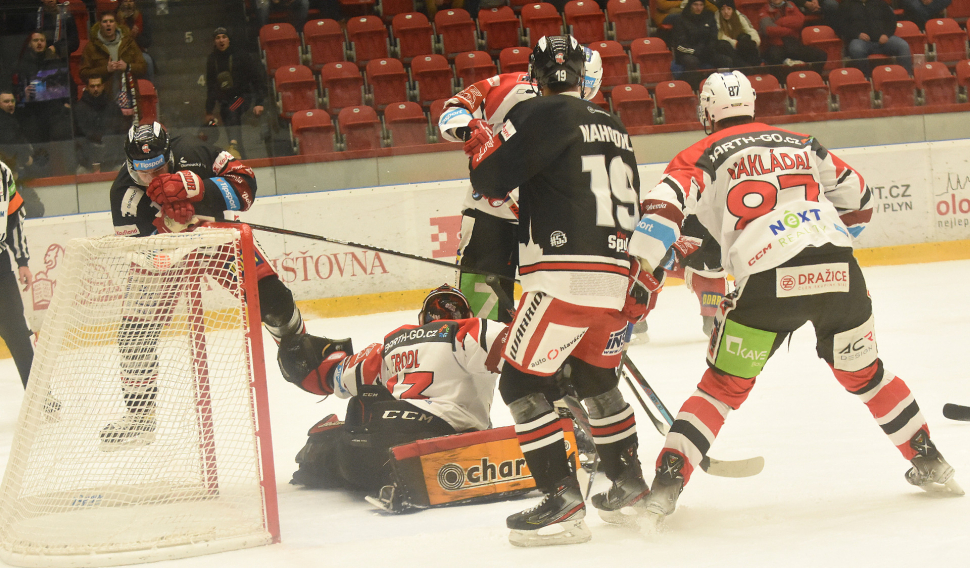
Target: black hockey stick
956, 412
660, 426
313, 237
719, 468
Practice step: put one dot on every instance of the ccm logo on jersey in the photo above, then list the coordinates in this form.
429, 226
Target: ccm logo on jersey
812, 279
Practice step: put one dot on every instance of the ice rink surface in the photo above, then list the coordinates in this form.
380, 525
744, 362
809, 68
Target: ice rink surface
832, 493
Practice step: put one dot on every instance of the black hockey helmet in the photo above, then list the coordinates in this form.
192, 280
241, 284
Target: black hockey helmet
557, 62
444, 303
148, 148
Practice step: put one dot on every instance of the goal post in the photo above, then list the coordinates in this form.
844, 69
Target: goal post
162, 333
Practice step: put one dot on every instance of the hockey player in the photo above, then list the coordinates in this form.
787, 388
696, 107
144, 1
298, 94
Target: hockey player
784, 210
578, 204
431, 379
488, 239
170, 184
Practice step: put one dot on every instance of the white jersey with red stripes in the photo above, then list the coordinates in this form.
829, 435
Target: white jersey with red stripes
447, 368
764, 193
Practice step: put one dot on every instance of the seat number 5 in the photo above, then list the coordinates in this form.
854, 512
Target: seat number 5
609, 186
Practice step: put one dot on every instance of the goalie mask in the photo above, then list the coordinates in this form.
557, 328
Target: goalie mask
725, 95
148, 151
558, 63
444, 303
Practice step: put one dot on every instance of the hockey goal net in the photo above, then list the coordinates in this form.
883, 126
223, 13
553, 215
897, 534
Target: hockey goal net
165, 329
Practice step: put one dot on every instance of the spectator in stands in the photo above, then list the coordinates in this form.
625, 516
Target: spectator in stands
236, 81
922, 11
111, 51
695, 43
868, 27
666, 12
781, 26
15, 149
101, 127
45, 80
735, 30
297, 10
58, 25
141, 29
826, 9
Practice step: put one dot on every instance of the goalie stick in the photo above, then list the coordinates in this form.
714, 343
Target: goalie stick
956, 412
719, 468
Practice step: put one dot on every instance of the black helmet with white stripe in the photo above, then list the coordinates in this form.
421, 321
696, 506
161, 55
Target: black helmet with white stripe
557, 63
148, 148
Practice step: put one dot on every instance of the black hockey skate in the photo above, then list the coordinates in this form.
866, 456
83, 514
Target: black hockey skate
624, 501
667, 486
930, 472
557, 519
136, 428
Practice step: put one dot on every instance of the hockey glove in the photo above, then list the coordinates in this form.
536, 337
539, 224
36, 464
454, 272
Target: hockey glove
181, 186
479, 133
681, 249
641, 295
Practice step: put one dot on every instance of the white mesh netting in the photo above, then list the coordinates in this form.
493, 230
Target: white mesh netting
151, 324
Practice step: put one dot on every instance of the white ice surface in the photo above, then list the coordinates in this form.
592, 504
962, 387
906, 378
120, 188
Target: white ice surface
832, 493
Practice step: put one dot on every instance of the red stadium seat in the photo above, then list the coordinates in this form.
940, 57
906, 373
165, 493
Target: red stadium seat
368, 39
963, 78
147, 102
628, 20
514, 59
850, 89
540, 19
406, 124
651, 60
413, 35
938, 85
360, 128
600, 100
947, 40
74, 63
959, 10
312, 132
808, 92
390, 9
517, 5
280, 45
633, 104
473, 66
79, 10
771, 100
824, 38
296, 89
431, 79
499, 28
914, 37
894, 86
751, 8
325, 43
585, 21
676, 102
456, 32
616, 63
387, 82
342, 85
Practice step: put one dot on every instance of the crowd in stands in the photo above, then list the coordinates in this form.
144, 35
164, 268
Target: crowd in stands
341, 75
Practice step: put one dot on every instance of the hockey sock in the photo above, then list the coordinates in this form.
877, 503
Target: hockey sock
889, 401
613, 435
541, 439
695, 428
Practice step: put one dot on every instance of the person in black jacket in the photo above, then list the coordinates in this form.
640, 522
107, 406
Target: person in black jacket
44, 78
58, 25
868, 27
98, 119
695, 42
236, 81
15, 149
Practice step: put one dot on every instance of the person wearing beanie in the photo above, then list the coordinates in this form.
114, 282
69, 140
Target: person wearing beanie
695, 42
234, 80
736, 37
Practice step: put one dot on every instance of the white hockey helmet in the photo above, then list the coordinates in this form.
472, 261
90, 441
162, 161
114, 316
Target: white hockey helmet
593, 77
725, 95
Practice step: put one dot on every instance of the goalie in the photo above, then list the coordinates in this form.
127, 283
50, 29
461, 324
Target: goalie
431, 379
170, 185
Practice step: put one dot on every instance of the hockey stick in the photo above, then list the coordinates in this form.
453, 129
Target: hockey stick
313, 237
660, 426
956, 412
719, 468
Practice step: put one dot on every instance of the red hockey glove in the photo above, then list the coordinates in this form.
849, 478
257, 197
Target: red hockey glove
181, 186
479, 133
641, 295
175, 217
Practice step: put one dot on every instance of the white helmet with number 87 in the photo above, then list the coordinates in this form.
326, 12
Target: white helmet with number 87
725, 95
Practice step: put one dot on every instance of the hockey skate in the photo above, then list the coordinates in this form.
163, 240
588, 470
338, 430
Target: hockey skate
930, 472
390, 499
624, 501
557, 519
667, 486
136, 428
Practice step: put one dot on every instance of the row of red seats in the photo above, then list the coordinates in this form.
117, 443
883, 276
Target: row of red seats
360, 128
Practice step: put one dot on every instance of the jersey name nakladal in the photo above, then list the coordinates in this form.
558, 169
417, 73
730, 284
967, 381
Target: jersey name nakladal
764, 193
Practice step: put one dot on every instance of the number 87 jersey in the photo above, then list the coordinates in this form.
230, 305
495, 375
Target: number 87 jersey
764, 194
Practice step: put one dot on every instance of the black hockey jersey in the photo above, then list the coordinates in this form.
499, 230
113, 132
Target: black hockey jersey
578, 200
230, 185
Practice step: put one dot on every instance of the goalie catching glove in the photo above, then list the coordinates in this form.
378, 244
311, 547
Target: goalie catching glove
641, 295
167, 189
309, 362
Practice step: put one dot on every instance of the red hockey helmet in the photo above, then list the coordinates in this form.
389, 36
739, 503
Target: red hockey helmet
444, 303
